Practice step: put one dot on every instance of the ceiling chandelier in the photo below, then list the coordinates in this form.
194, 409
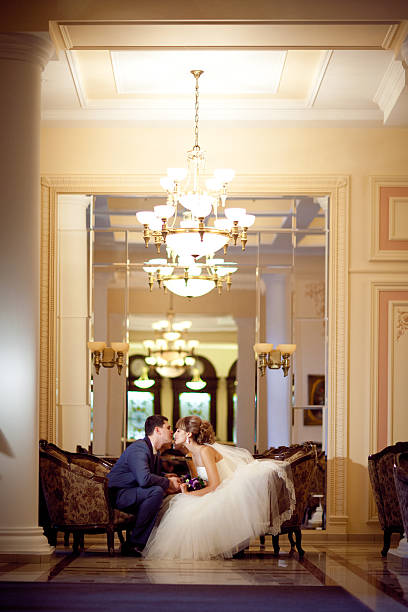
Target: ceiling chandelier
192, 237
188, 278
171, 351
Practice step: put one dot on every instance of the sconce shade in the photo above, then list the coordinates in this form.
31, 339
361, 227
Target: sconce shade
96, 346
262, 347
121, 347
286, 349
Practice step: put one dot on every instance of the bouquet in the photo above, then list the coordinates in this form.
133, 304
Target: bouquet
193, 483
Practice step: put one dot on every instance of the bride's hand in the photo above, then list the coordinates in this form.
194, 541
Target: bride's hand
183, 487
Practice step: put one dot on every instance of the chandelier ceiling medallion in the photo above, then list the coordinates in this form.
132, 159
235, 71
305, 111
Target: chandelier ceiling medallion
192, 238
171, 351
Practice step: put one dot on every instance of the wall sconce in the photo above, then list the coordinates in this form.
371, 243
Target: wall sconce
108, 356
274, 359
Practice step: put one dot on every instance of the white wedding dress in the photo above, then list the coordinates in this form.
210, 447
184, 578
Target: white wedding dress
254, 496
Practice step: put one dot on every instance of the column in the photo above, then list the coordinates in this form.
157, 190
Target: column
100, 382
73, 409
246, 383
277, 326
22, 58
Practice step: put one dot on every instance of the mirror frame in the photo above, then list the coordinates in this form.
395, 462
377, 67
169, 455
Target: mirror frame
334, 186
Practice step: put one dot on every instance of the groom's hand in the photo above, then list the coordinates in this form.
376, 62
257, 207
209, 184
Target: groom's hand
174, 484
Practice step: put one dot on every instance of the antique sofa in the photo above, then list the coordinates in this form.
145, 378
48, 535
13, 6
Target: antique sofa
380, 469
74, 497
303, 460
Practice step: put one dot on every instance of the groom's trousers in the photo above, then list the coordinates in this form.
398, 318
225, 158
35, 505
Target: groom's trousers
144, 503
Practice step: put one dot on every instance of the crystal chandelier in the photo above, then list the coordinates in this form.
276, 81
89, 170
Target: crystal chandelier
183, 187
188, 278
170, 352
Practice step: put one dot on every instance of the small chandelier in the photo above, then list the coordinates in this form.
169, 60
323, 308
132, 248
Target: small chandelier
171, 352
144, 382
108, 357
274, 359
188, 278
182, 186
196, 383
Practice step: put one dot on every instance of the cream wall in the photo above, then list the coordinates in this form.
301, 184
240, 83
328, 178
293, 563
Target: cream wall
357, 152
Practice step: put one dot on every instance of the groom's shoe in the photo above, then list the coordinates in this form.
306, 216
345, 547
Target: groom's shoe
129, 550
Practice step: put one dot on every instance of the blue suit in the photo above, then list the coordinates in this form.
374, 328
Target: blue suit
139, 486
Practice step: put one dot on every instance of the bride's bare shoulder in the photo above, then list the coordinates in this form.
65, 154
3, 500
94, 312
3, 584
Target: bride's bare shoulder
210, 453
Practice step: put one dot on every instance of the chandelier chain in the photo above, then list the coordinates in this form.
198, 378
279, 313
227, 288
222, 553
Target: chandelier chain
196, 145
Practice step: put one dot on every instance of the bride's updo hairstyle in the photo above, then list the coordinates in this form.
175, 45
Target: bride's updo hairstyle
202, 431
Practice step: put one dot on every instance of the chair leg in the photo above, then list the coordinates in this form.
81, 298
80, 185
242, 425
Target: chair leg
387, 542
275, 544
66, 538
81, 541
51, 535
76, 544
262, 541
110, 535
291, 541
120, 536
298, 537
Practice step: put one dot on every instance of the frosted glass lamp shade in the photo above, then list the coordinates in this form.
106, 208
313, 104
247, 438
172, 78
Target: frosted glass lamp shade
164, 211
286, 349
96, 346
121, 347
145, 217
195, 287
247, 220
191, 243
167, 183
262, 347
235, 214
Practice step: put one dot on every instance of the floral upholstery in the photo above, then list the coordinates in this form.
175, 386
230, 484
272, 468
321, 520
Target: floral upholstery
302, 459
77, 498
380, 470
401, 486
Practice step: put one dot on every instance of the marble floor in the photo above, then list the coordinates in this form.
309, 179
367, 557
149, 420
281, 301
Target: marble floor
381, 584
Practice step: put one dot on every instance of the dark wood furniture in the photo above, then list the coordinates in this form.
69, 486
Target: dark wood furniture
302, 459
380, 469
74, 497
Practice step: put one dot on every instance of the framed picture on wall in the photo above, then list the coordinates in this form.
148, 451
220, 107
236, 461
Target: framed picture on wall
316, 395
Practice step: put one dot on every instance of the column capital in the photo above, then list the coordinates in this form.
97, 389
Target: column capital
25, 48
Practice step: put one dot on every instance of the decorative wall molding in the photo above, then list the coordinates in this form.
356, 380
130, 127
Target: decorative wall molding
316, 291
386, 191
336, 187
402, 323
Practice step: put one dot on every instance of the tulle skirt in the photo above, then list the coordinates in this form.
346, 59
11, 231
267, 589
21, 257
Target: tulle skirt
257, 497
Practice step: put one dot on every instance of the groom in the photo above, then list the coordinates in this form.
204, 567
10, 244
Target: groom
137, 482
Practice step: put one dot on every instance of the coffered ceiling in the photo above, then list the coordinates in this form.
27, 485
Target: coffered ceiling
323, 72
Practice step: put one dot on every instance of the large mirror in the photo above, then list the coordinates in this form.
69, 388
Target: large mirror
278, 295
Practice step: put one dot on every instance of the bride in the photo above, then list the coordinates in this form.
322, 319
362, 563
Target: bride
240, 501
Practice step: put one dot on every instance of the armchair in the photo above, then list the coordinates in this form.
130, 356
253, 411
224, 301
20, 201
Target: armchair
76, 498
302, 459
380, 470
401, 486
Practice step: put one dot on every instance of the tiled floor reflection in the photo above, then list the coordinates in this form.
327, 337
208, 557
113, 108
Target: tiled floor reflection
357, 567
